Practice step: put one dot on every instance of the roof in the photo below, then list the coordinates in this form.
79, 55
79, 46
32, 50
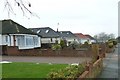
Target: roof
90, 37
80, 35
11, 27
67, 34
45, 32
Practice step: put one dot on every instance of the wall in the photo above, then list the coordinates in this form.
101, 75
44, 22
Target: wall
92, 70
14, 51
102, 50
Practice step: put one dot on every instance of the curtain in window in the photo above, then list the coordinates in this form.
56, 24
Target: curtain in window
29, 41
36, 41
21, 41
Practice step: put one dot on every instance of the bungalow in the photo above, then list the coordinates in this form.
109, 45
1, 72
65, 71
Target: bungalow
14, 34
81, 38
49, 36
91, 39
68, 36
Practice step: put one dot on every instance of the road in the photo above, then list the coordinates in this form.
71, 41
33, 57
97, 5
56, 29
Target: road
62, 60
110, 64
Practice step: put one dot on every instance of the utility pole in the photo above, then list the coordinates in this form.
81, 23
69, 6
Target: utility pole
57, 26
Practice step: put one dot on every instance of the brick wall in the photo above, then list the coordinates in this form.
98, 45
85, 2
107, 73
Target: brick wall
14, 51
92, 70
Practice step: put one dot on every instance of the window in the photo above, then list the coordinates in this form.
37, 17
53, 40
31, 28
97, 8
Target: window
67, 33
6, 38
21, 40
47, 31
29, 41
36, 41
38, 31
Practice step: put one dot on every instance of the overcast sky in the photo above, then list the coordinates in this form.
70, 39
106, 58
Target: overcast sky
78, 16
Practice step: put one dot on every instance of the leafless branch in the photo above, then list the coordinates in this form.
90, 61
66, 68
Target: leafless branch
23, 7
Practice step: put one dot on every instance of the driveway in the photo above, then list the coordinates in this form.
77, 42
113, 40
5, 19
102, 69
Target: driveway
63, 60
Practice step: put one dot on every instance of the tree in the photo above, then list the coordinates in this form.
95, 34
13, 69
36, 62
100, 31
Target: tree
103, 37
111, 36
22, 4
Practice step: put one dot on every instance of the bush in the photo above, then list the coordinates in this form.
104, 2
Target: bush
74, 45
86, 42
114, 42
110, 44
62, 43
72, 71
56, 47
85, 45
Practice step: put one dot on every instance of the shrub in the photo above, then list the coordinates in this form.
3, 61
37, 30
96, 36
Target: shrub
56, 47
74, 45
72, 71
85, 45
114, 42
110, 44
86, 42
62, 43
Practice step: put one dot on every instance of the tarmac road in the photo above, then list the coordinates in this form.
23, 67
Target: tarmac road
62, 60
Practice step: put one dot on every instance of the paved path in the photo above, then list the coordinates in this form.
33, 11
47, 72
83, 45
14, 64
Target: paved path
110, 65
65, 60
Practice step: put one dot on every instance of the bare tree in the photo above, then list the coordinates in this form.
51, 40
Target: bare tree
103, 37
24, 7
111, 36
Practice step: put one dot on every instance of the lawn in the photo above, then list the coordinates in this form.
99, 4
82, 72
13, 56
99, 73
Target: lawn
29, 70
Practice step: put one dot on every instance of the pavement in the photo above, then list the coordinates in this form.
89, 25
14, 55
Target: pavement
110, 65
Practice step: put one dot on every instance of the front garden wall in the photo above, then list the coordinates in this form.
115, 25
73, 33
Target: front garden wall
14, 51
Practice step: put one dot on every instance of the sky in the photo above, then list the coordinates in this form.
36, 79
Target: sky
78, 16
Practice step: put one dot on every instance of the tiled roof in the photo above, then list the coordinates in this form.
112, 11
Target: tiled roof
11, 27
67, 34
80, 35
45, 32
90, 37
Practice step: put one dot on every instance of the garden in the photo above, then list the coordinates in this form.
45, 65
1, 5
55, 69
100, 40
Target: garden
29, 70
52, 71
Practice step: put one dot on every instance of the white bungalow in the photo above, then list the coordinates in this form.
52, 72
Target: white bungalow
14, 34
68, 36
81, 38
49, 36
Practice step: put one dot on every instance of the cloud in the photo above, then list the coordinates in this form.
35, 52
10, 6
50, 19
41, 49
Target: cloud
87, 16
